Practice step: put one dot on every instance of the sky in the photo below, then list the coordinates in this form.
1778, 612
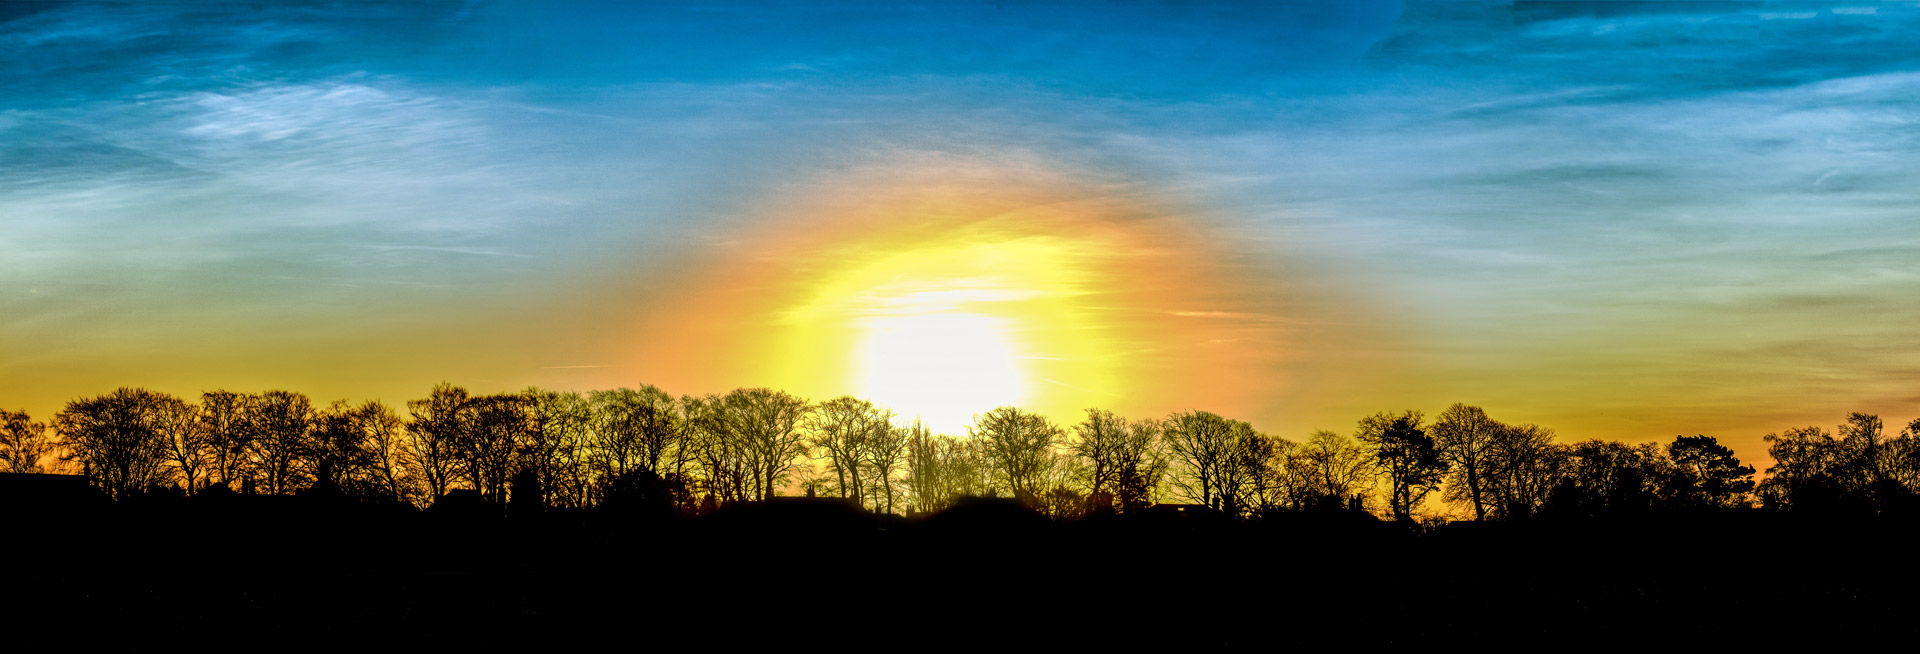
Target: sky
1620, 220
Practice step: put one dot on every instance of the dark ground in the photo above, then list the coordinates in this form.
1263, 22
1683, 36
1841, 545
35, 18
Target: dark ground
251, 572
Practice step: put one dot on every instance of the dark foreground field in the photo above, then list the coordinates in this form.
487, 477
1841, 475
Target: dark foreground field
242, 572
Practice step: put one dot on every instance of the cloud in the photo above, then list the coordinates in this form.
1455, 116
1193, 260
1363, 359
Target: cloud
77, 52
450, 250
1537, 189
1651, 49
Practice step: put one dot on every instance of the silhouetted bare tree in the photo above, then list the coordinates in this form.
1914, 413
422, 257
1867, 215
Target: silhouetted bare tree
225, 421
1061, 489
1286, 480
188, 447
1221, 463
1142, 463
560, 456
23, 442
1341, 469
115, 439
619, 416
386, 444
1900, 458
1802, 473
1018, 448
844, 427
718, 456
660, 428
433, 438
1123, 460
688, 412
925, 490
1608, 477
1524, 464
1465, 437
941, 468
882, 458
1814, 471
490, 448
1202, 443
338, 451
1251, 461
764, 425
1098, 442
1857, 459
282, 426
635, 427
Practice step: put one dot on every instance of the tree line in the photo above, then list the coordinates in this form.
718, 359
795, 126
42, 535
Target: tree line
690, 454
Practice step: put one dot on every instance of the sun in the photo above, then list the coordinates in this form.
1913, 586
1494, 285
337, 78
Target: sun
941, 329
941, 367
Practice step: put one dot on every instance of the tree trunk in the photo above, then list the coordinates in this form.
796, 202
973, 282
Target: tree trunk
1473, 488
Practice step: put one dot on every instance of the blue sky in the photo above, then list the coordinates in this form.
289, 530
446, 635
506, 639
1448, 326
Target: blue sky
1624, 220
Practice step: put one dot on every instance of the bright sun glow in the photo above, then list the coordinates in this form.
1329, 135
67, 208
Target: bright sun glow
947, 327
943, 300
941, 366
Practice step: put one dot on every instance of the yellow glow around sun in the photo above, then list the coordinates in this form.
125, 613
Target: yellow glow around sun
956, 325
940, 288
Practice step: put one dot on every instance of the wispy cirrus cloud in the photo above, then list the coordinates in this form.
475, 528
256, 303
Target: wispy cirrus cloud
1703, 204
